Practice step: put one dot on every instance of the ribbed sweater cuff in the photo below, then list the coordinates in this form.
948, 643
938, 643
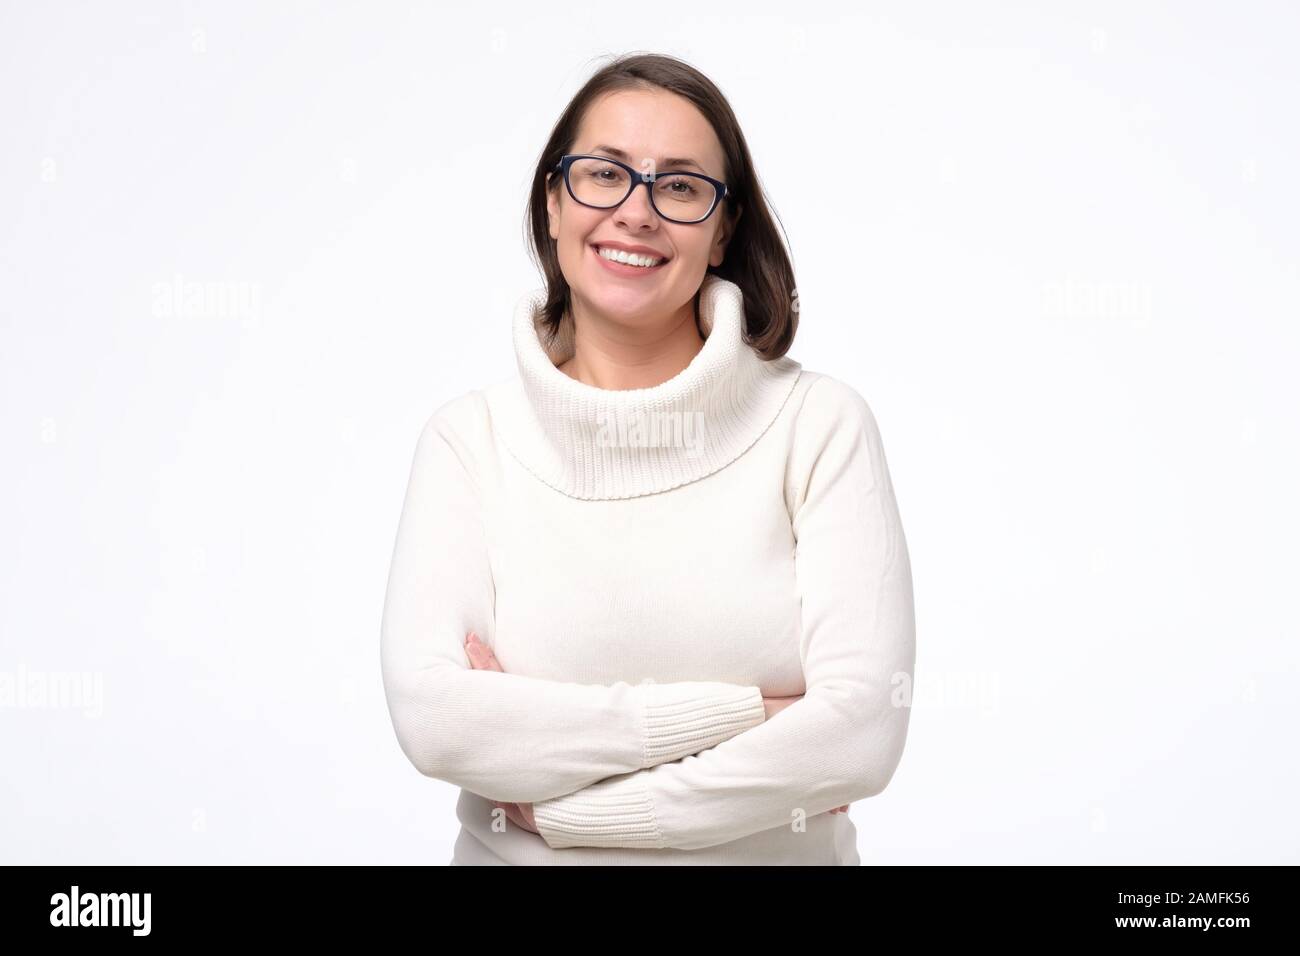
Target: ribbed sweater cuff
612, 813
689, 716
681, 718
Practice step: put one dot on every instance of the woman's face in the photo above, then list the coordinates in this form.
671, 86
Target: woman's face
647, 126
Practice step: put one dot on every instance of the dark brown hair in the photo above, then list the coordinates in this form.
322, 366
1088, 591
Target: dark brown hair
756, 258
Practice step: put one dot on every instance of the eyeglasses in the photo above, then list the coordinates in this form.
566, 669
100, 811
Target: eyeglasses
603, 183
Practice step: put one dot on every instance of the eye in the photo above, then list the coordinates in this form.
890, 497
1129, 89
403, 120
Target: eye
679, 187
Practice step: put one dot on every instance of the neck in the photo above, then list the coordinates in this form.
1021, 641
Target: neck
610, 355
590, 442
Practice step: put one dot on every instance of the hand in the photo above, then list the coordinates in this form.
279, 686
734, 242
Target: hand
480, 655
520, 814
773, 706
481, 658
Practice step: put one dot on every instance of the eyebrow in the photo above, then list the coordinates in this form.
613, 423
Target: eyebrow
666, 161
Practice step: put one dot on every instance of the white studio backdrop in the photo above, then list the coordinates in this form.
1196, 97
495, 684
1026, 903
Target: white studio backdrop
246, 249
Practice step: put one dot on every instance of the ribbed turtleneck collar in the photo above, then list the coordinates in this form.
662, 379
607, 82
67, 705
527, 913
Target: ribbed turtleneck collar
596, 443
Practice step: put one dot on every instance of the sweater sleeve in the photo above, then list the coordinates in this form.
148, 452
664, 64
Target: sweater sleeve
844, 738
508, 736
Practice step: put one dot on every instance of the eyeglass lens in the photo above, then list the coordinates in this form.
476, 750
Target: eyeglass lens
604, 184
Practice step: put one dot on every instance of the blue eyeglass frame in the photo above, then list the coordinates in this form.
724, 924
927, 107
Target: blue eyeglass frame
720, 190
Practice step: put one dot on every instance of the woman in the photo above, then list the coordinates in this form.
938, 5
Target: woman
613, 570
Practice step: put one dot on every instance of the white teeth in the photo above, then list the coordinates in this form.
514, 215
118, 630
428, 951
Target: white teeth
627, 258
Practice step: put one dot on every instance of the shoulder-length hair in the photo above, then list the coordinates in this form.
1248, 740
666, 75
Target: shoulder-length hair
756, 257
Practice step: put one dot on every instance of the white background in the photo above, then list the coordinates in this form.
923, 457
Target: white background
1055, 249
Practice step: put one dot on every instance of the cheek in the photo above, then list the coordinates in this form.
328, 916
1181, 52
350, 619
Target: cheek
692, 246
577, 225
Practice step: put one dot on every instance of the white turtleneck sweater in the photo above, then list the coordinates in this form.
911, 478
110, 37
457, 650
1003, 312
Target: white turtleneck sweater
647, 565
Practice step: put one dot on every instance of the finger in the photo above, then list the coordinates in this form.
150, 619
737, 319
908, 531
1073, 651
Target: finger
489, 659
480, 655
475, 654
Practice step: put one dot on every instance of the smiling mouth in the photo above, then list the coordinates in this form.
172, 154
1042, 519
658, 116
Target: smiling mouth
632, 260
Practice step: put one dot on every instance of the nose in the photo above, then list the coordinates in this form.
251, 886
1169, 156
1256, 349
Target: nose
636, 211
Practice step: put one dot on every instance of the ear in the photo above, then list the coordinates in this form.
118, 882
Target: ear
728, 230
552, 208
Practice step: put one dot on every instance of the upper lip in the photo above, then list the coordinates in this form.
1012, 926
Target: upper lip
628, 247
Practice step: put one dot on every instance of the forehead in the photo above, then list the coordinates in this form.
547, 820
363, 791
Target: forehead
650, 124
